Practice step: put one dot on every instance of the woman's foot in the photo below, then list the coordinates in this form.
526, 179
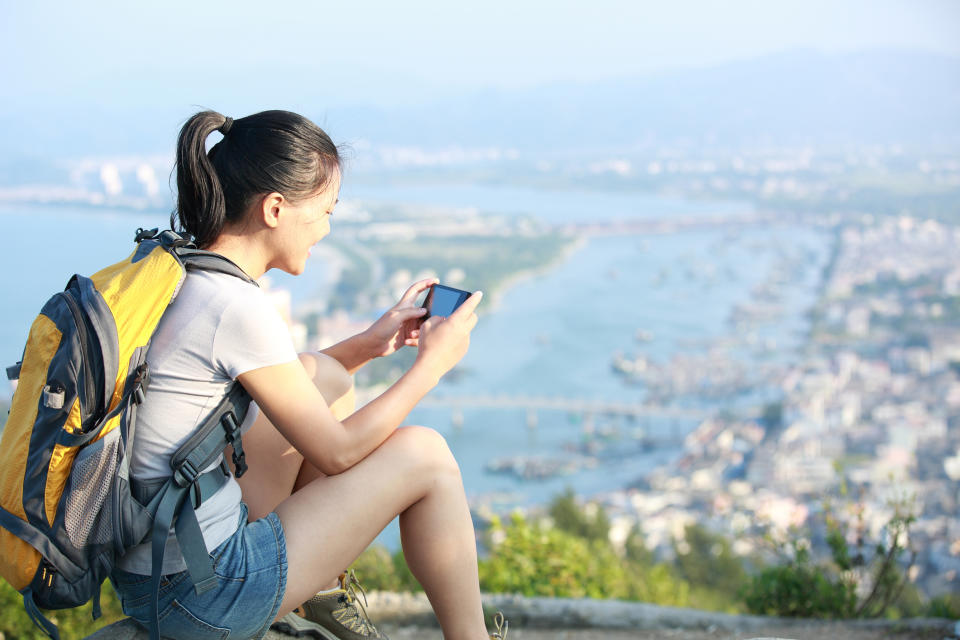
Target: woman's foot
340, 612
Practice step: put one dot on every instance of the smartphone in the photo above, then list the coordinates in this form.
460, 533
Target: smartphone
442, 300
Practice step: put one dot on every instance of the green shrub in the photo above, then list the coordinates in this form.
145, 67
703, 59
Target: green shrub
706, 559
570, 517
379, 570
73, 623
829, 589
535, 560
945, 606
798, 588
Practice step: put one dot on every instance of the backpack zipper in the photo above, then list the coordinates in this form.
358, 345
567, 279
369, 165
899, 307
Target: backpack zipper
84, 344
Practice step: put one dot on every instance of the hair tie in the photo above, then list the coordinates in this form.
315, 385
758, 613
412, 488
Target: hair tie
225, 127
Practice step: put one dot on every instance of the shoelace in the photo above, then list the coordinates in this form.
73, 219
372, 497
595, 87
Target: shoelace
501, 626
349, 581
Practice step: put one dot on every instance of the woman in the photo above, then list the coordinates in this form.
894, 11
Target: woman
323, 479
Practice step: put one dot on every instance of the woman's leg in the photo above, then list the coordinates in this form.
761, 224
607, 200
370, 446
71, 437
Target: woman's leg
274, 468
329, 522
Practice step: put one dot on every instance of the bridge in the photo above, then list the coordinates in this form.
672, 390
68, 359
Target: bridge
561, 403
675, 224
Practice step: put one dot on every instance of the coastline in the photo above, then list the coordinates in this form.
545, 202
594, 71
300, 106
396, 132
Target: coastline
526, 274
368, 393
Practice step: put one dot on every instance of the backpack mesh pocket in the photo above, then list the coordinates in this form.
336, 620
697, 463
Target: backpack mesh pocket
88, 518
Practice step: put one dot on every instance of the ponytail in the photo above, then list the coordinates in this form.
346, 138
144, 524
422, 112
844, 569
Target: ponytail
201, 206
271, 151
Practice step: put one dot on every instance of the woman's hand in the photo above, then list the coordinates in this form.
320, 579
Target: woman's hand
444, 341
399, 326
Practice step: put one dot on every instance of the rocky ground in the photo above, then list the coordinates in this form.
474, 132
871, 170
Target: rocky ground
408, 617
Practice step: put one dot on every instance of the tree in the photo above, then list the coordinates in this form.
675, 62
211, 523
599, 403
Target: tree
829, 589
706, 559
570, 517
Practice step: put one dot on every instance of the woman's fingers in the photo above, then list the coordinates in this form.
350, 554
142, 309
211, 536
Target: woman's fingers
416, 289
469, 305
410, 313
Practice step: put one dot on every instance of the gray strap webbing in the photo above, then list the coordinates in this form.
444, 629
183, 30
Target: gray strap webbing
179, 496
172, 498
37, 616
39, 541
176, 506
13, 371
194, 554
209, 261
204, 488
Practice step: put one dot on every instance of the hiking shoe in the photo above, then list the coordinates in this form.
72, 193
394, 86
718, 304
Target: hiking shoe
501, 625
340, 612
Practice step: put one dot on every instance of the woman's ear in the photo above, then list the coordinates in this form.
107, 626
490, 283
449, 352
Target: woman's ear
270, 207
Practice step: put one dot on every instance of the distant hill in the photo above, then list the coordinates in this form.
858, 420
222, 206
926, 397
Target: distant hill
881, 96
796, 97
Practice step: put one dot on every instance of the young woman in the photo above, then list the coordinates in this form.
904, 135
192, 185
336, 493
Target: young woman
324, 479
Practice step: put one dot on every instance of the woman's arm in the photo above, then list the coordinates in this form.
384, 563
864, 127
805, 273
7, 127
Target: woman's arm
353, 353
392, 331
288, 397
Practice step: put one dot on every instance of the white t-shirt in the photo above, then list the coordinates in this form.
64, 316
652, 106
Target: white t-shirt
217, 328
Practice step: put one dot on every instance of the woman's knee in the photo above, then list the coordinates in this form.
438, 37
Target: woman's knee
427, 448
333, 381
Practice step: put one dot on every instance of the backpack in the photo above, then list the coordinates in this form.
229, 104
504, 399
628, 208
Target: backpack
68, 507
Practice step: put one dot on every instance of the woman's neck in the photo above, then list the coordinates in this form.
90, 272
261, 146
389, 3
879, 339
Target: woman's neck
243, 250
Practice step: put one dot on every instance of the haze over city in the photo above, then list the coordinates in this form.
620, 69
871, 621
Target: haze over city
719, 239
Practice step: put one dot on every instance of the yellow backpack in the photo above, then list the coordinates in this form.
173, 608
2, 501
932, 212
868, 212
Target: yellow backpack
68, 509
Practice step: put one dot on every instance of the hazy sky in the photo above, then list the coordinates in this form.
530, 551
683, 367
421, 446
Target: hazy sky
401, 52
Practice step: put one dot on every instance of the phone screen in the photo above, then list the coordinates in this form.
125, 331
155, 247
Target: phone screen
443, 300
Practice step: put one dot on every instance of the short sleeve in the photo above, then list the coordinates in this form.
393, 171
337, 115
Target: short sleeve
250, 335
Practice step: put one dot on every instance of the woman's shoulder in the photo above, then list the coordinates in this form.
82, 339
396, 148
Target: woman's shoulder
217, 285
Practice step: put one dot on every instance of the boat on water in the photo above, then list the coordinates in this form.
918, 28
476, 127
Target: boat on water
529, 468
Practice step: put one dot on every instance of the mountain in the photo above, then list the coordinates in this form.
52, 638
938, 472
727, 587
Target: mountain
797, 97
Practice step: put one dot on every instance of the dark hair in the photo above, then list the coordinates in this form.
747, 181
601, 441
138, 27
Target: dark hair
270, 151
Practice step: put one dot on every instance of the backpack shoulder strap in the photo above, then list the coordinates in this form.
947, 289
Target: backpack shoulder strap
175, 503
181, 245
210, 261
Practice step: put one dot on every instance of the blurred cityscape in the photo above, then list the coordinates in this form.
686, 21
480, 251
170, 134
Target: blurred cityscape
870, 404
862, 420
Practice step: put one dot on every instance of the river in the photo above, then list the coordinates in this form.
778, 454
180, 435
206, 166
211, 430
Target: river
554, 334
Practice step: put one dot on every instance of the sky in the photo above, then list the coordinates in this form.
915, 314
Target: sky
386, 53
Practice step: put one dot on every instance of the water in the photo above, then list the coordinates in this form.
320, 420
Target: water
555, 335
551, 206
551, 335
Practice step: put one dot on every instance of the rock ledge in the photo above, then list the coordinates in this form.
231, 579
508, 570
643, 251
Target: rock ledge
400, 610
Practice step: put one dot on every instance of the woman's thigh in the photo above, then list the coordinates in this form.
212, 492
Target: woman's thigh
273, 464
329, 522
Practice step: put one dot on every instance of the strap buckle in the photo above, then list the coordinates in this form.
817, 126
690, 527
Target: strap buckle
145, 234
141, 376
185, 474
232, 436
172, 239
13, 372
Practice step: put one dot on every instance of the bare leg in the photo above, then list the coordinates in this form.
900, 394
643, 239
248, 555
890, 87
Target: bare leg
275, 468
329, 521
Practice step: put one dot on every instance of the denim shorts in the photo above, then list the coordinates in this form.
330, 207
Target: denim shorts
251, 567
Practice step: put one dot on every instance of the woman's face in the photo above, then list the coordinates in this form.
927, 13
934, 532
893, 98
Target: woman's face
303, 225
